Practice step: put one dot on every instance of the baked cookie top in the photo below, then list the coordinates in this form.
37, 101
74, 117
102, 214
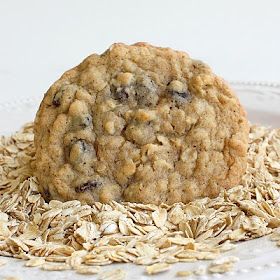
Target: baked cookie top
139, 123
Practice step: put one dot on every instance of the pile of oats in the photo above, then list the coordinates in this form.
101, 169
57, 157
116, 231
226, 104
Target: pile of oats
60, 236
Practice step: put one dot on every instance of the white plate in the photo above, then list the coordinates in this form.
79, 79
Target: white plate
259, 258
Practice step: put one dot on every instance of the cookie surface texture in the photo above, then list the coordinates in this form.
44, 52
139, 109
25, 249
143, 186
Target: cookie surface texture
139, 123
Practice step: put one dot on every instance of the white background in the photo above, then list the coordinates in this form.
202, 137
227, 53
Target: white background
39, 40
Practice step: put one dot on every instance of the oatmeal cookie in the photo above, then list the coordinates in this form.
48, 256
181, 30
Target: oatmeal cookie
139, 123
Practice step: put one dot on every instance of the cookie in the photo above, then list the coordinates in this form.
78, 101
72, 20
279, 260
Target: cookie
139, 123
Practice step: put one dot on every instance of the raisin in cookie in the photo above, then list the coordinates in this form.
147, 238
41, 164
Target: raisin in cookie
139, 123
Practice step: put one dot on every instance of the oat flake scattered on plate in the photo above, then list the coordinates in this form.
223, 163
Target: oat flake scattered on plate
78, 235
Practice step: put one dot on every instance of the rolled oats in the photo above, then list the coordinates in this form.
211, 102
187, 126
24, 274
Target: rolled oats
157, 268
67, 235
55, 267
35, 262
87, 269
116, 274
223, 265
201, 270
2, 262
183, 273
